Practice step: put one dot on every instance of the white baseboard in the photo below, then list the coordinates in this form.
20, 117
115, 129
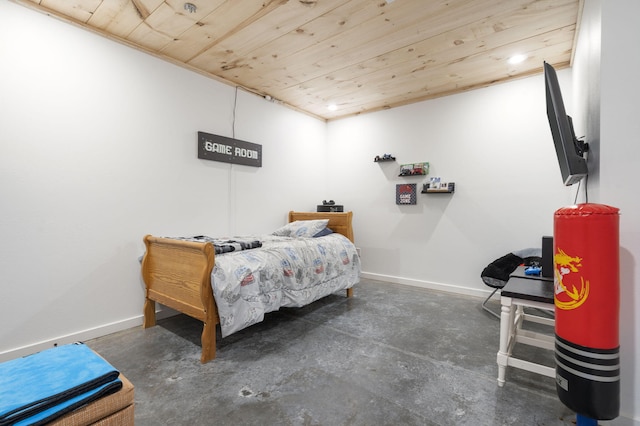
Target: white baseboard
427, 284
81, 336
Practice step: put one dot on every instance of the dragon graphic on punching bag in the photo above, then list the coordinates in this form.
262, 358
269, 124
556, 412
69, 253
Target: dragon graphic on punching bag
571, 289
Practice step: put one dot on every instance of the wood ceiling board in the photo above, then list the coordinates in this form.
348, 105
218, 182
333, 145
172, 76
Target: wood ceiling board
108, 12
145, 7
441, 49
392, 30
331, 24
443, 85
257, 30
210, 29
147, 37
368, 54
203, 8
404, 82
168, 21
427, 82
405, 73
118, 18
79, 11
465, 75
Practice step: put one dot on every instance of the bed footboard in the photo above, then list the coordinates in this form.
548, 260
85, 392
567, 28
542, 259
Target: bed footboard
340, 222
177, 274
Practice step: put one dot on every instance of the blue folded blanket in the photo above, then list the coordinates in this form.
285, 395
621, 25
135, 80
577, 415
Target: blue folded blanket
41, 387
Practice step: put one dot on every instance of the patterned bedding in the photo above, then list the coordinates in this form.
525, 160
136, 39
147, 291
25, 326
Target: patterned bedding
283, 272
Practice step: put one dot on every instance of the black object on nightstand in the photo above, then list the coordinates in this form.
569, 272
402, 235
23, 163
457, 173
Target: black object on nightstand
330, 206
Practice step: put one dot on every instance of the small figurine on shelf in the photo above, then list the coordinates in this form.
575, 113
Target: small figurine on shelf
385, 157
437, 184
406, 171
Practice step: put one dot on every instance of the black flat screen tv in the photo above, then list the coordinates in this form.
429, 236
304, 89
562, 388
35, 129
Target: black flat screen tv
570, 151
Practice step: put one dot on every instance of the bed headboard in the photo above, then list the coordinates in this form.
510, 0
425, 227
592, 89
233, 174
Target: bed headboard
338, 222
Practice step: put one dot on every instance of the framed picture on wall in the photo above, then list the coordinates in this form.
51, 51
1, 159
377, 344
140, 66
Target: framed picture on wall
406, 193
414, 169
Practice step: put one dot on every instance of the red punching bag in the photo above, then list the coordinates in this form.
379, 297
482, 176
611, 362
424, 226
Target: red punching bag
587, 301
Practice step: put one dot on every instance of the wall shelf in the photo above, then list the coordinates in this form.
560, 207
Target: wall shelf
450, 189
437, 191
385, 157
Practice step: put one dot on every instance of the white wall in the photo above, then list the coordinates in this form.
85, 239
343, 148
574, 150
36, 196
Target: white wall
586, 83
98, 148
619, 159
606, 66
494, 143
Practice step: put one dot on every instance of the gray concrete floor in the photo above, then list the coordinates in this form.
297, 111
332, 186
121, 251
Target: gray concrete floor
391, 355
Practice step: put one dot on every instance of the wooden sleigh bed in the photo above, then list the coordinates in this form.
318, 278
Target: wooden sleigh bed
177, 274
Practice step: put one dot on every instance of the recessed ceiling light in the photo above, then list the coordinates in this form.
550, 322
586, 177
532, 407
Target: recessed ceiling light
332, 107
516, 59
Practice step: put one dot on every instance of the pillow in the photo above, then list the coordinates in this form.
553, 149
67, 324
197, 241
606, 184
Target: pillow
325, 231
301, 228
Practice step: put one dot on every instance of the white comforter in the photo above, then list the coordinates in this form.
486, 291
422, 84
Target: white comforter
284, 272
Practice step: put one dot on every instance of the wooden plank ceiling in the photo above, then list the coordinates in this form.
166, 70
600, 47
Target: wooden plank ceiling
359, 55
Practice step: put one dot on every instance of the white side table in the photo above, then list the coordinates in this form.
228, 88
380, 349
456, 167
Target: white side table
517, 294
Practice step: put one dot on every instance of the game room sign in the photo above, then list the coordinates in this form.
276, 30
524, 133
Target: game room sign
228, 150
